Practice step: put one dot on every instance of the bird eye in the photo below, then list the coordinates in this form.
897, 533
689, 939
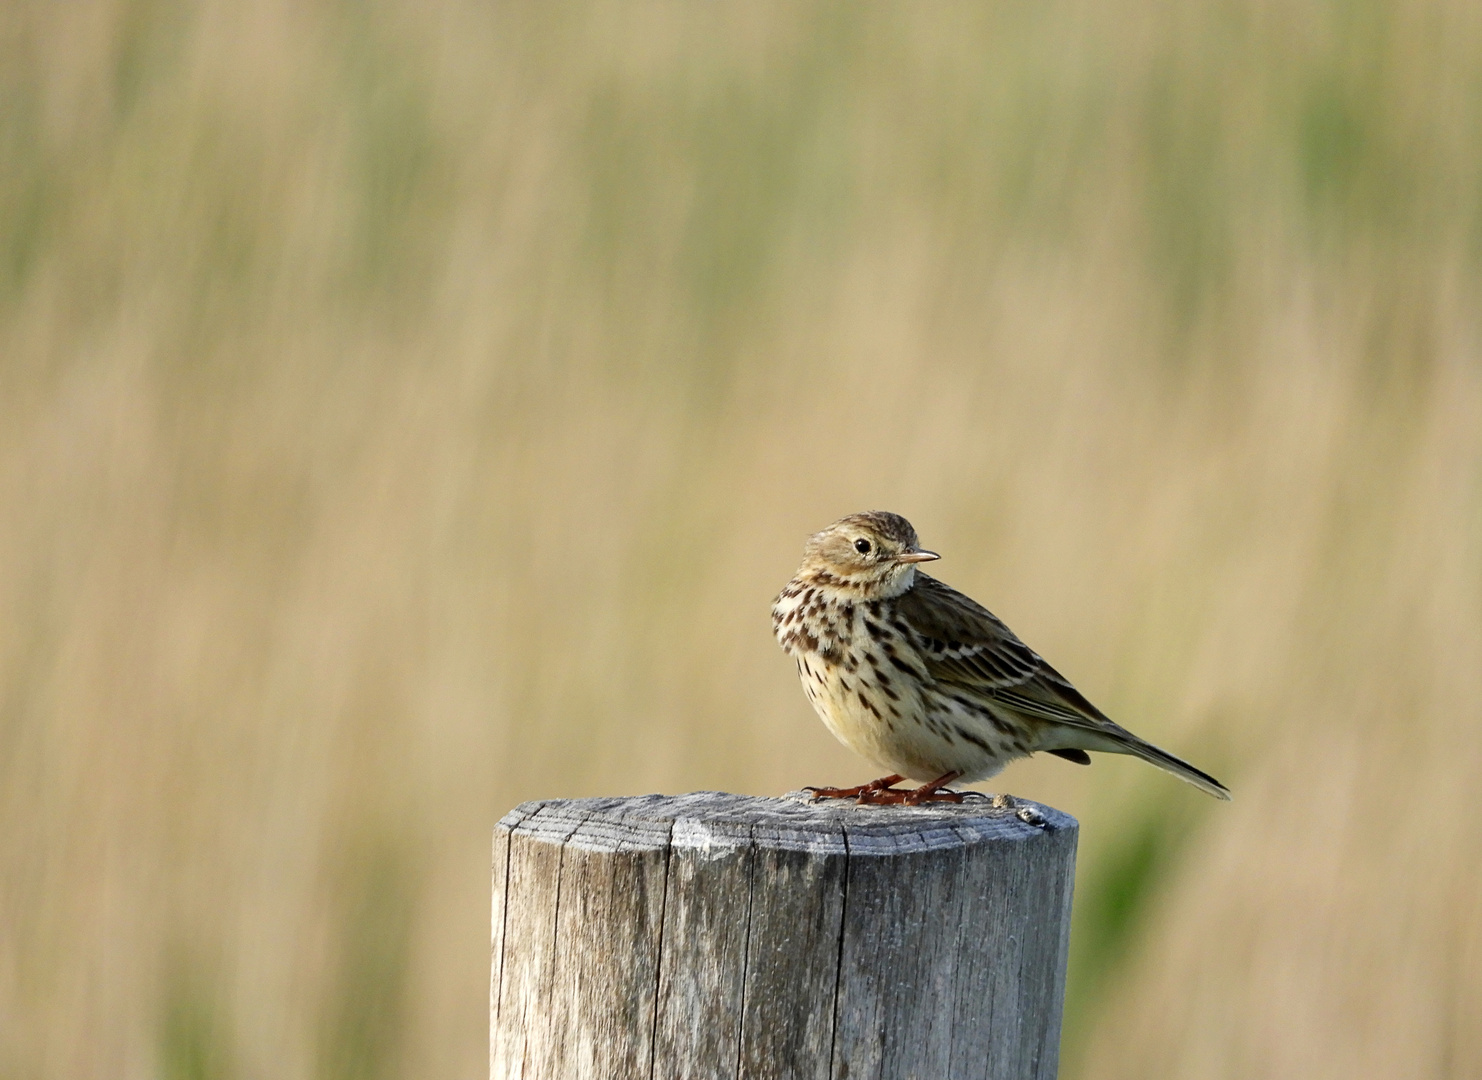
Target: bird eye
862, 546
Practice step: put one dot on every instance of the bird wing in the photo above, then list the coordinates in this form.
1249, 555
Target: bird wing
964, 645
967, 648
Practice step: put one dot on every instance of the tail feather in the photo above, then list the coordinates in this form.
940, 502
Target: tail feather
1178, 767
1124, 742
1181, 769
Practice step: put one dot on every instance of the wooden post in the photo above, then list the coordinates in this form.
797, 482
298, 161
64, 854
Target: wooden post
712, 935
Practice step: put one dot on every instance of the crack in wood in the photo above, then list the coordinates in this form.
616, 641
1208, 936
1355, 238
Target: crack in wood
746, 946
839, 962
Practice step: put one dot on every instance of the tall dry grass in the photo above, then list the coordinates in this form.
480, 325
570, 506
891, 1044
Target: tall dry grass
410, 409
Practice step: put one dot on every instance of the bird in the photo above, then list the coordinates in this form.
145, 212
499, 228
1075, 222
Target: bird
925, 682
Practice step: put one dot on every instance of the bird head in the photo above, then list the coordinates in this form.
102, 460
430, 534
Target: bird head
873, 554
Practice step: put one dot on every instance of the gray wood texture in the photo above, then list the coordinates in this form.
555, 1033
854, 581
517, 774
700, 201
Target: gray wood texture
728, 936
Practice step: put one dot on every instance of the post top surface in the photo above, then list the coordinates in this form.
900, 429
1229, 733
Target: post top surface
713, 820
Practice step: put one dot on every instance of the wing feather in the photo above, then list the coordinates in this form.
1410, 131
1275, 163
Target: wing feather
966, 646
969, 650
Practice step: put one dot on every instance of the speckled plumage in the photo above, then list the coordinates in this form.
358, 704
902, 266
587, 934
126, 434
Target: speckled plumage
920, 679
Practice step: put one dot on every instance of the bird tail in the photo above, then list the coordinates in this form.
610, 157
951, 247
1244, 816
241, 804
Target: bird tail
1177, 766
1124, 742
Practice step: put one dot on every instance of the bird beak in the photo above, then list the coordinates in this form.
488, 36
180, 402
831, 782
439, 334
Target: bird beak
917, 556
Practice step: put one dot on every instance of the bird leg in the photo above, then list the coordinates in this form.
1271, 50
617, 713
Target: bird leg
864, 792
870, 795
936, 791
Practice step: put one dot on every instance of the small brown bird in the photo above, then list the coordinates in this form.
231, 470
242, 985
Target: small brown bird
921, 680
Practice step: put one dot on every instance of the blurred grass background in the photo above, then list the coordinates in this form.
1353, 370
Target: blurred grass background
411, 409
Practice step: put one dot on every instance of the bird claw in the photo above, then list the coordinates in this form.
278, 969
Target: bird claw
915, 797
861, 792
820, 793
882, 792
864, 794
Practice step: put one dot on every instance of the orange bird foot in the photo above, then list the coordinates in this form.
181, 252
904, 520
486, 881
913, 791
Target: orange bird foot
862, 792
881, 793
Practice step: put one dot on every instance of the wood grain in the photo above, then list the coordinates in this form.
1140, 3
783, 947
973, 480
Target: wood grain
726, 936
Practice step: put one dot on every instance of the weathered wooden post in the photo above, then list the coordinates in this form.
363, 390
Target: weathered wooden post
713, 935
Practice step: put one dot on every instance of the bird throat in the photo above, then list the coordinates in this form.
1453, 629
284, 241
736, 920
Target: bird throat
839, 588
